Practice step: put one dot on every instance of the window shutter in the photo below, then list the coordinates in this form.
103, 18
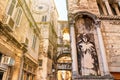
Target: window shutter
11, 8
18, 16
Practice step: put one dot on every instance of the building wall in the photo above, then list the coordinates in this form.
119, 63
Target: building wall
111, 40
108, 13
46, 19
17, 41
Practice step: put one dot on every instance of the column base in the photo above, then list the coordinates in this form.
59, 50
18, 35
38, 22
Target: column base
90, 77
74, 75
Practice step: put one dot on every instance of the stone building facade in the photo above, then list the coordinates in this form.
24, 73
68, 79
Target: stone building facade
46, 15
94, 30
19, 41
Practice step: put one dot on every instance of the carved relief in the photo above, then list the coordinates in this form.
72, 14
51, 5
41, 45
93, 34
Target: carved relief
115, 22
87, 54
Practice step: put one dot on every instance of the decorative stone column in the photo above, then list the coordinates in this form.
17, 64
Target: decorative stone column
108, 7
16, 68
73, 50
103, 7
116, 9
102, 49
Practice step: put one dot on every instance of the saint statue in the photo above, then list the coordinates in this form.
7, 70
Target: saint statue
87, 55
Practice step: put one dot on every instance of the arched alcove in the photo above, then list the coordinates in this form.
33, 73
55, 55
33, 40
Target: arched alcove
88, 53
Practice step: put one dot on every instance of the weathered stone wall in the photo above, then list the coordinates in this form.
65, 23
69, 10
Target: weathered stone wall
111, 35
12, 41
83, 5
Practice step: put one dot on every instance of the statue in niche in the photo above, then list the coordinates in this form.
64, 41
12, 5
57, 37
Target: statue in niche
87, 55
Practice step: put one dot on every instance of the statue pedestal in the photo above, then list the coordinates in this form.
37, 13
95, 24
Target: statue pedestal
91, 77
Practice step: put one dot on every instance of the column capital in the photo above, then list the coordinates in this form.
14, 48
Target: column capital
71, 19
97, 22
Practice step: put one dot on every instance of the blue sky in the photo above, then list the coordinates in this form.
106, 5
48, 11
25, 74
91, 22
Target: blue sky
61, 7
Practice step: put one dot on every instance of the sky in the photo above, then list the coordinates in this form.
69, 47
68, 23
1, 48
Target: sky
61, 7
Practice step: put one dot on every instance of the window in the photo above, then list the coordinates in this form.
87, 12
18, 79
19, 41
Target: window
40, 62
44, 18
18, 16
26, 41
34, 42
11, 7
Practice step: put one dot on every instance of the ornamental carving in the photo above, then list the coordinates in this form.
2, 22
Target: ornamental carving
115, 22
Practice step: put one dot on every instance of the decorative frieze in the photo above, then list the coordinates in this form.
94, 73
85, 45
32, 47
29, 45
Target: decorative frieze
103, 17
115, 22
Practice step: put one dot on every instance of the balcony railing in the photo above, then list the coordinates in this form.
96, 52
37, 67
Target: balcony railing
64, 66
66, 49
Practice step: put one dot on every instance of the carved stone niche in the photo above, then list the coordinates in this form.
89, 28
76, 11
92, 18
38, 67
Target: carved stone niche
88, 48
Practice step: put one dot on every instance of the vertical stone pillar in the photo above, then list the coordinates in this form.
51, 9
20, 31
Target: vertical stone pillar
21, 68
116, 9
108, 7
17, 67
119, 3
73, 50
102, 50
103, 7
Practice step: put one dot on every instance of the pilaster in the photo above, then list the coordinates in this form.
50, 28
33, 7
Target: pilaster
73, 48
103, 7
108, 7
17, 67
116, 9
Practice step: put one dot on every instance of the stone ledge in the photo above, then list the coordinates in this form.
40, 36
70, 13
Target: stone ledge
106, 17
106, 77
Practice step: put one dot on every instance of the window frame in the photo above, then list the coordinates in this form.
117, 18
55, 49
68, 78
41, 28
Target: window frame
34, 41
12, 3
18, 16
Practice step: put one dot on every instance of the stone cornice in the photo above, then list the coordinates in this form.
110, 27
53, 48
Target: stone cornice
101, 17
30, 59
10, 38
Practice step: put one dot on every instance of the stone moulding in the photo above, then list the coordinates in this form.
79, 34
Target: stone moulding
105, 77
102, 17
5, 32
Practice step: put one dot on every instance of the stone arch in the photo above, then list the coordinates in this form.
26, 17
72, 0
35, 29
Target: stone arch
87, 43
90, 15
